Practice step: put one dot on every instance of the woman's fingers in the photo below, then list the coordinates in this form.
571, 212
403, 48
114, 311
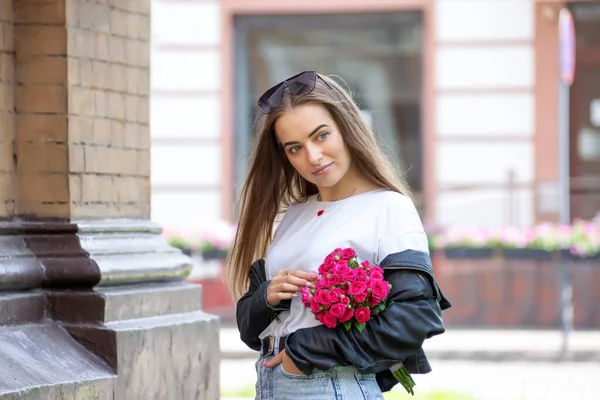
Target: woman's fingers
286, 283
309, 276
295, 277
293, 280
288, 287
286, 295
274, 361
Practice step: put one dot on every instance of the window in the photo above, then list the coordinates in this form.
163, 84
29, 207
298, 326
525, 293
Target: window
378, 56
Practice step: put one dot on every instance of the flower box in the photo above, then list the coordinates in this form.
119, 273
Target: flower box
527, 254
212, 242
214, 254
468, 252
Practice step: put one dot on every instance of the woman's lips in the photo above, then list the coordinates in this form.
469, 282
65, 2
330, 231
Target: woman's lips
323, 170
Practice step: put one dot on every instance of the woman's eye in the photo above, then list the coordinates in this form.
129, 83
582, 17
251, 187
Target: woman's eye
294, 149
323, 135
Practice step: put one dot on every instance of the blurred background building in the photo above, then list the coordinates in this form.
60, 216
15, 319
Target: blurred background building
463, 94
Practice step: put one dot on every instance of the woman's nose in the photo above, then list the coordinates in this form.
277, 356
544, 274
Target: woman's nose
314, 155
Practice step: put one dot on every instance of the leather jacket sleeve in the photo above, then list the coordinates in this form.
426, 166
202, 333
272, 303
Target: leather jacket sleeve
253, 312
389, 338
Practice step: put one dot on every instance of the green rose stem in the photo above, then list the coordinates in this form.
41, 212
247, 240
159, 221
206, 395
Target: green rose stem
403, 376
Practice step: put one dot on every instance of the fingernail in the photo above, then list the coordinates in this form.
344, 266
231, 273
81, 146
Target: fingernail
265, 364
295, 295
310, 284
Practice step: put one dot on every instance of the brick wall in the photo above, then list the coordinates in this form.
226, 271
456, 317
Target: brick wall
82, 144
108, 108
40, 149
7, 195
516, 293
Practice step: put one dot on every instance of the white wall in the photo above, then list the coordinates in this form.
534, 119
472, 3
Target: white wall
185, 113
484, 80
484, 77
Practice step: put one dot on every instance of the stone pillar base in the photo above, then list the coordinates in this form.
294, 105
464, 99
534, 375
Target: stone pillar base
140, 334
133, 342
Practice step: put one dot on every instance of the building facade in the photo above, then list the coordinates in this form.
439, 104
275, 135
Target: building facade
463, 93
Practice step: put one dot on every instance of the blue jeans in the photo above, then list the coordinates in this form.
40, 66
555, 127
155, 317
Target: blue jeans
340, 383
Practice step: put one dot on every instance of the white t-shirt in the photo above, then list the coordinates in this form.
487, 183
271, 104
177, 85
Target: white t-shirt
375, 224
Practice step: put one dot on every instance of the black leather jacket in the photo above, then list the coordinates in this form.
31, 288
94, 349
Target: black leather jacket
396, 335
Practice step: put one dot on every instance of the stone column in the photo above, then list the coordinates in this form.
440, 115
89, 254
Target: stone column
87, 282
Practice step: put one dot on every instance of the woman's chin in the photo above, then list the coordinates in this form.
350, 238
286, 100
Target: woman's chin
325, 183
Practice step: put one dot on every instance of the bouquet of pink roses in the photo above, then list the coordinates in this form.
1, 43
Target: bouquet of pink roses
351, 293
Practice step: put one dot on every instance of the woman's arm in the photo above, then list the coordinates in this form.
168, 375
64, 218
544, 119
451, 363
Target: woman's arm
253, 312
388, 339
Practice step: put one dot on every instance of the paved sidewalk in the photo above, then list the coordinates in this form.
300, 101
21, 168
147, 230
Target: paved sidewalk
487, 364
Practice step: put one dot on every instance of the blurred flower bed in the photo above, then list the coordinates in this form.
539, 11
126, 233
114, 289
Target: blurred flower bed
212, 242
580, 240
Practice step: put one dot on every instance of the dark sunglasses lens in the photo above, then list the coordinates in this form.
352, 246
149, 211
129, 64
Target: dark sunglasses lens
271, 98
303, 83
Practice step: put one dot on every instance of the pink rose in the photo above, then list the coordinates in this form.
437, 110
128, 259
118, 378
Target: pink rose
348, 314
362, 315
337, 310
373, 302
358, 274
366, 265
376, 269
322, 297
329, 320
348, 253
360, 297
379, 289
334, 295
344, 299
337, 254
357, 288
332, 280
376, 275
329, 262
342, 269
321, 284
306, 296
315, 307
324, 269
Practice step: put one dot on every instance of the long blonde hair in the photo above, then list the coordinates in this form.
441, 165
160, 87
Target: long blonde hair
273, 184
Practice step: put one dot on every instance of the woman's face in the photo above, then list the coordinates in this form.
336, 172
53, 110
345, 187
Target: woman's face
313, 144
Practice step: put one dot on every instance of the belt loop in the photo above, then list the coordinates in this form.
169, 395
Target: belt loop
271, 345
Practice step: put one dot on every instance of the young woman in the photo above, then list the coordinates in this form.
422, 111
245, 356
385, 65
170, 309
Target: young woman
316, 163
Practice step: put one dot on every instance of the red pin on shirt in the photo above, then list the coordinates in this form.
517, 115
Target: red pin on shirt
319, 213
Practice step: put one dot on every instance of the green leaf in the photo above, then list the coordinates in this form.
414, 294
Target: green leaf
348, 325
360, 327
388, 305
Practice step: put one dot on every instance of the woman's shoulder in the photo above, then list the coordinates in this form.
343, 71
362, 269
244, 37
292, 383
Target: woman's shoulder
389, 201
397, 213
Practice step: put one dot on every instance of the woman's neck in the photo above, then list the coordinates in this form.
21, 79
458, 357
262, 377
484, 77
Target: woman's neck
351, 184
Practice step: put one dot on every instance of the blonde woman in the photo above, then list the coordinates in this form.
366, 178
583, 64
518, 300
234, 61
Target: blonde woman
316, 162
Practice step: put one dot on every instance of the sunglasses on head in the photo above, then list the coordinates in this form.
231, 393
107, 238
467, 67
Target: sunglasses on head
304, 82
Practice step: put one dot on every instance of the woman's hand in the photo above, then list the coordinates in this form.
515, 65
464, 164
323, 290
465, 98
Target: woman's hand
286, 283
287, 363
